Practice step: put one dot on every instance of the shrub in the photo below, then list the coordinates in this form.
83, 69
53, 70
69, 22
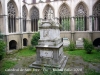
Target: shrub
35, 39
32, 48
71, 47
88, 46
65, 48
2, 49
98, 49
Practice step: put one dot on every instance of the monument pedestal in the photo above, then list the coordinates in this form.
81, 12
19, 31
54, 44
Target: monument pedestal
51, 56
50, 48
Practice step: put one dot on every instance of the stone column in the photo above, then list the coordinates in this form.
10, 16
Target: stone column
5, 23
90, 23
72, 21
90, 28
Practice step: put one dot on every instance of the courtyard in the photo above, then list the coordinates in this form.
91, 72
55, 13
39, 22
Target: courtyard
78, 63
49, 37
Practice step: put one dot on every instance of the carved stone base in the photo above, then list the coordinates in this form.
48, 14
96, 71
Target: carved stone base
59, 66
50, 56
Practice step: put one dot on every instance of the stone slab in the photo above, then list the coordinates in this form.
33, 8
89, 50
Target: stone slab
60, 66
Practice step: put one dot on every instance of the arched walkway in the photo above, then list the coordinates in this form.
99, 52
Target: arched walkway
96, 42
12, 45
25, 42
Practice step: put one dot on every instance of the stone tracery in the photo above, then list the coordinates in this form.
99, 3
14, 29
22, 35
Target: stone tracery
81, 18
11, 17
34, 19
24, 18
64, 18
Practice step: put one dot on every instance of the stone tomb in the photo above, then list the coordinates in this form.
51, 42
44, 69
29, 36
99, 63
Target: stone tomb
66, 42
79, 43
50, 47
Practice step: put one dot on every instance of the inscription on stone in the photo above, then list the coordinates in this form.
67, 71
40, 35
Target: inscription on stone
46, 54
45, 33
66, 42
79, 42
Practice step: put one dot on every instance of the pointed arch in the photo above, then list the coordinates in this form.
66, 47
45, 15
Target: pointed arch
81, 14
96, 16
13, 3
34, 12
96, 8
48, 12
24, 13
12, 13
34, 16
64, 17
81, 9
64, 10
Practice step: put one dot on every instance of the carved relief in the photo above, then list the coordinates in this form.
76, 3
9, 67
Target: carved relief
49, 12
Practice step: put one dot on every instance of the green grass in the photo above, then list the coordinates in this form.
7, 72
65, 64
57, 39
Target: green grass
94, 57
92, 72
7, 64
25, 52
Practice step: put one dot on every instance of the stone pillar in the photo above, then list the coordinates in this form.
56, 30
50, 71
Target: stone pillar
72, 21
90, 23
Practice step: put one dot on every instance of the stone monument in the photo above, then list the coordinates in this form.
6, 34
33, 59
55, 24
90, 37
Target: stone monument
66, 42
79, 43
50, 47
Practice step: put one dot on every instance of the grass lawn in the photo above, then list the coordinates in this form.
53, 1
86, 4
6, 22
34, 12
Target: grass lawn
11, 60
94, 57
25, 52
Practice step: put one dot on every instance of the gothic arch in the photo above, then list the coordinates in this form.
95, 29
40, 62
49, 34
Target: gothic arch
34, 16
14, 5
66, 7
12, 14
96, 16
64, 17
46, 10
82, 5
96, 8
25, 11
34, 12
24, 14
81, 14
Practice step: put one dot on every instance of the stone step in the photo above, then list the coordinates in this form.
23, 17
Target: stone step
43, 65
64, 63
